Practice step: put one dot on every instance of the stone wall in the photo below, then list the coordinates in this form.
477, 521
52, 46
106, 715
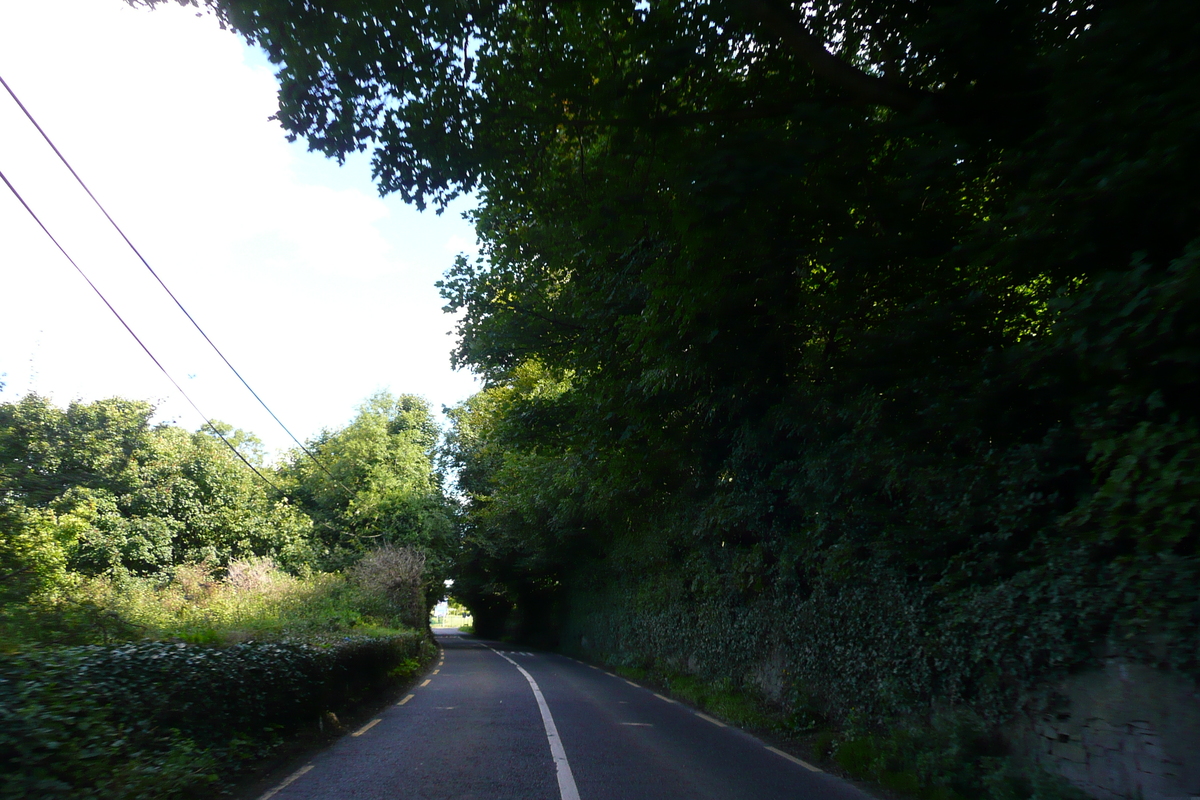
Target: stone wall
1124, 732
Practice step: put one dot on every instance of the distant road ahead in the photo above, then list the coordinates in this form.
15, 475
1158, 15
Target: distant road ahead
476, 729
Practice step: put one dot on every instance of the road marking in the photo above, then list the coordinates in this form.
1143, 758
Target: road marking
566, 781
609, 674
716, 722
638, 724
286, 782
669, 700
426, 683
435, 672
366, 727
406, 699
794, 760
631, 683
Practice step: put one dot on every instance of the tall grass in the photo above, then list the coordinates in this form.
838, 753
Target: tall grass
253, 601
156, 714
250, 600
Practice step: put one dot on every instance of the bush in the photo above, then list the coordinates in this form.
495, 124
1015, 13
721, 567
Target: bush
396, 574
254, 600
165, 720
952, 757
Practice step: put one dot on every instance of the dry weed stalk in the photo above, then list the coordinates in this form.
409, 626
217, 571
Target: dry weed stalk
251, 574
397, 573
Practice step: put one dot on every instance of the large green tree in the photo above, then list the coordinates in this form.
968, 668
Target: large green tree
375, 482
862, 293
96, 487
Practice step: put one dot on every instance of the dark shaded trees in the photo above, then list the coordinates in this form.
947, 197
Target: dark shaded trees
862, 293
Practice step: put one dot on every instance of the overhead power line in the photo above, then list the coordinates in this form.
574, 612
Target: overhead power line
136, 338
161, 283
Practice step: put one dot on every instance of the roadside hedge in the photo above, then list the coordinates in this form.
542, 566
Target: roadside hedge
163, 719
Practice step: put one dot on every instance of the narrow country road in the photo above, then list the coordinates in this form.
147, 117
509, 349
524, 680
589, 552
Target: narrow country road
494, 722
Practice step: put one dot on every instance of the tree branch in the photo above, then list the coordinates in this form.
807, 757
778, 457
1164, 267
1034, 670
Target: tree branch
522, 310
745, 114
782, 22
6, 577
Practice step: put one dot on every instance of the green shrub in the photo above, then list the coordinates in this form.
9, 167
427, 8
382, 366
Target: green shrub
194, 603
952, 757
163, 720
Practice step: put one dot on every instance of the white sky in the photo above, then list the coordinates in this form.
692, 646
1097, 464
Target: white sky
317, 290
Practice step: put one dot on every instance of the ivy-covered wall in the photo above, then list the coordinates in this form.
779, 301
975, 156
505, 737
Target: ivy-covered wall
961, 539
872, 651
1121, 730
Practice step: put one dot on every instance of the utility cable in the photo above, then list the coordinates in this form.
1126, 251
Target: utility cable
171, 294
137, 339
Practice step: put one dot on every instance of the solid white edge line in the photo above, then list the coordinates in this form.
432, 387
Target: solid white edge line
566, 781
793, 759
286, 782
706, 717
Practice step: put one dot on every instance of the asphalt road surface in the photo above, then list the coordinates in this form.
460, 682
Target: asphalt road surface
493, 722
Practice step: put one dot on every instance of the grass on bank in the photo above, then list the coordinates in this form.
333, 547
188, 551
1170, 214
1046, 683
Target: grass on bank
254, 601
952, 756
168, 687
251, 601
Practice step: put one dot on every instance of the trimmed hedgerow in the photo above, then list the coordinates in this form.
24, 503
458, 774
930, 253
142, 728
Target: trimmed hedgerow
164, 720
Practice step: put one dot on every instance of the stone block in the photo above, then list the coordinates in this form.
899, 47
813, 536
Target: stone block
1100, 724
1133, 731
1073, 752
1074, 772
1102, 737
1111, 773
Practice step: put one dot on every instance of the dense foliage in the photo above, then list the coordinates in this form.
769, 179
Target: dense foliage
852, 341
247, 608
96, 490
95, 494
156, 719
375, 484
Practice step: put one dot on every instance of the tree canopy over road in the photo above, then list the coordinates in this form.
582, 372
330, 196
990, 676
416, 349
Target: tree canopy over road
874, 318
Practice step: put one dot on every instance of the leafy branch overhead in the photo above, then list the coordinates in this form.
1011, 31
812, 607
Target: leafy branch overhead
871, 319
454, 96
